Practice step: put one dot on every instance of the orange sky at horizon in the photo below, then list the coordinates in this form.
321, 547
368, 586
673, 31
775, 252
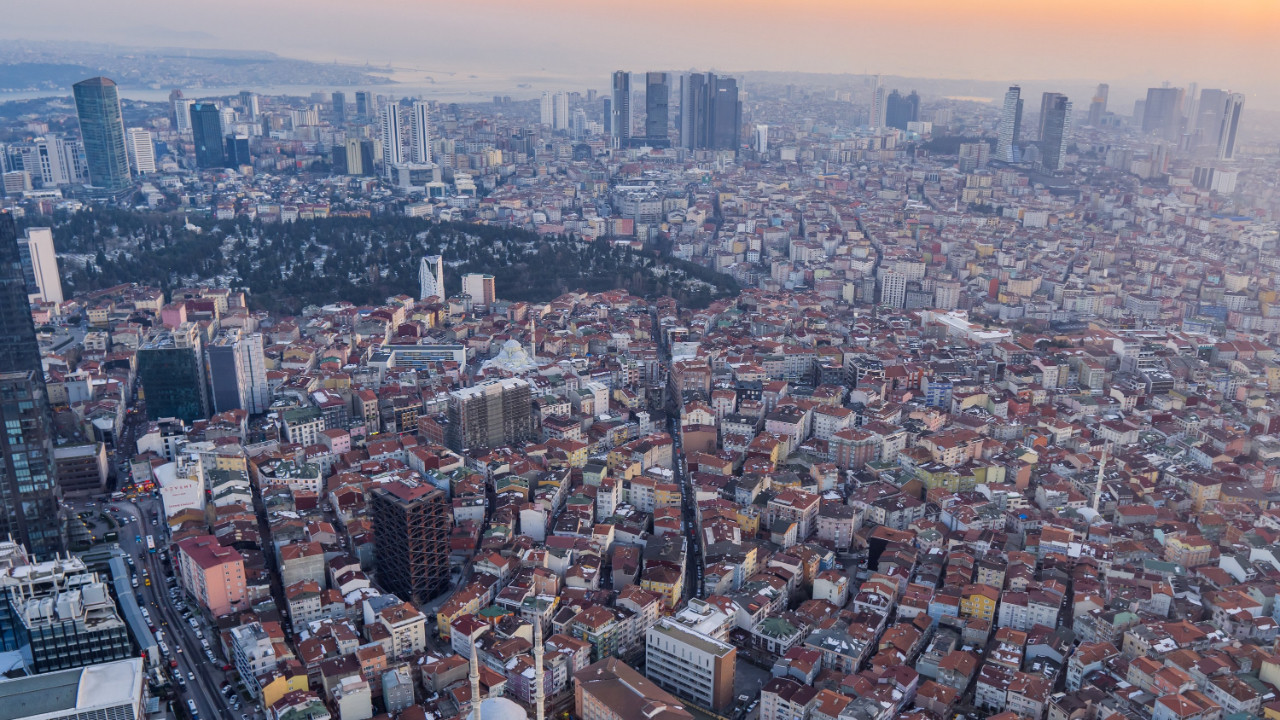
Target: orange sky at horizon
1227, 43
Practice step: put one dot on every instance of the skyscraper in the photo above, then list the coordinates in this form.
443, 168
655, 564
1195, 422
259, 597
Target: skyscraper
182, 110
411, 525
392, 143
171, 370
879, 107
547, 109
1230, 125
657, 101
1098, 106
1010, 124
237, 372
1055, 124
174, 116
710, 112
29, 495
339, 108
431, 277
206, 131
560, 116
364, 104
40, 266
19, 350
1162, 113
102, 127
1047, 102
900, 111
142, 150
1207, 127
620, 120
726, 114
420, 140
694, 109
238, 151
249, 102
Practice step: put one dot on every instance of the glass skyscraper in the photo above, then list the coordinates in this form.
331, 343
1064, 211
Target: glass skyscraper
30, 508
102, 127
206, 131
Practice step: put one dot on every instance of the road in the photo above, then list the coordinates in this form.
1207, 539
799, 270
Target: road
178, 633
688, 507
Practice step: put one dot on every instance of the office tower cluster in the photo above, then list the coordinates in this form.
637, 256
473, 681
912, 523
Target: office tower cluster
710, 112
901, 110
406, 146
1209, 121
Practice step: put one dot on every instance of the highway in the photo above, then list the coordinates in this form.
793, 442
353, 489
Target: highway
178, 634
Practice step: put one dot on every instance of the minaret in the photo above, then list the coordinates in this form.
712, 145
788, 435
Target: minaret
1097, 488
538, 680
475, 683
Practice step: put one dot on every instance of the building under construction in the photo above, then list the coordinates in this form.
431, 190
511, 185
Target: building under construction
491, 414
411, 525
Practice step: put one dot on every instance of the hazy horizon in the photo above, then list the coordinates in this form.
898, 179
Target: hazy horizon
1127, 43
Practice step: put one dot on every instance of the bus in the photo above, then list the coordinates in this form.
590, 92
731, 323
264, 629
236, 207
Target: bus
151, 544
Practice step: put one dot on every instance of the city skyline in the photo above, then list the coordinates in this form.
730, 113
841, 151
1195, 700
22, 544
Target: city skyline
1140, 43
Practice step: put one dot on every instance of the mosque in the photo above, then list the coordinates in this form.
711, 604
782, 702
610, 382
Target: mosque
500, 708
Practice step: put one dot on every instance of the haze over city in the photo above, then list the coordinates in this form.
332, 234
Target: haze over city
696, 360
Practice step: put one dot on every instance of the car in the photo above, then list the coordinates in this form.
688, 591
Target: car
226, 668
191, 676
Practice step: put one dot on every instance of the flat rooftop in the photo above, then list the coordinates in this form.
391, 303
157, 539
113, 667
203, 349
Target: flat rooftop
78, 690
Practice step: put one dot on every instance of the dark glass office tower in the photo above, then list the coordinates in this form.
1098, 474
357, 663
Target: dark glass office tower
238, 151
657, 101
30, 508
620, 120
339, 108
726, 114
102, 127
902, 110
206, 130
1055, 127
710, 112
172, 377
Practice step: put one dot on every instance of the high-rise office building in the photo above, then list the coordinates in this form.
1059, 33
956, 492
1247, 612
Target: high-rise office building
480, 287
657, 103
171, 370
40, 266
431, 277
30, 507
237, 372
761, 139
249, 103
102, 127
879, 107
560, 116
1010, 125
710, 112
174, 117
902, 110
19, 350
1206, 126
1162, 113
364, 104
547, 109
411, 525
1230, 125
620, 120
1098, 106
490, 415
142, 150
206, 131
339, 108
182, 108
1047, 101
420, 137
1055, 130
392, 141
238, 151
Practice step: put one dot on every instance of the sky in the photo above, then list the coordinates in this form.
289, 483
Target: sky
1135, 43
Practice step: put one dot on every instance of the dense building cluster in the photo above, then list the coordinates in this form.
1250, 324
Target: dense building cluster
991, 429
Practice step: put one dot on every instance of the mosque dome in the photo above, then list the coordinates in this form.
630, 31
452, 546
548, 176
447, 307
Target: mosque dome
499, 708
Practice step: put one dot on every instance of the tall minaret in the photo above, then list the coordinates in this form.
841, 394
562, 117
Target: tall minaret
475, 683
1097, 488
538, 680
